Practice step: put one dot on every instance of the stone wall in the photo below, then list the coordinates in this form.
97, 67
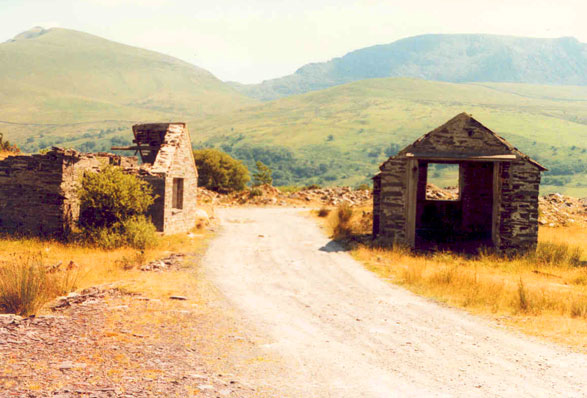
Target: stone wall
376, 204
392, 201
38, 192
518, 212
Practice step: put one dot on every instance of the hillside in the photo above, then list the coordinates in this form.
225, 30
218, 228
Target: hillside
341, 134
62, 79
450, 58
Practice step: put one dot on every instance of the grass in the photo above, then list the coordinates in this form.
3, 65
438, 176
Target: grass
364, 118
543, 294
26, 285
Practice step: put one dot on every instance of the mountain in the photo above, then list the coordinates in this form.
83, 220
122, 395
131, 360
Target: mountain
341, 134
56, 78
449, 58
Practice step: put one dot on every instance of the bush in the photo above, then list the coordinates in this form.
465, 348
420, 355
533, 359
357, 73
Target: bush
255, 192
139, 232
110, 197
263, 175
113, 206
220, 172
363, 187
342, 223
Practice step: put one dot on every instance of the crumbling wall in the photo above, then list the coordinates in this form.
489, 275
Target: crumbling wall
38, 193
518, 212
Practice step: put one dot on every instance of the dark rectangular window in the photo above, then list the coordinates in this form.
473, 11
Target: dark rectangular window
177, 193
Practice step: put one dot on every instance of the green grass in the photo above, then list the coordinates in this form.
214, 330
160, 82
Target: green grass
76, 90
64, 77
364, 118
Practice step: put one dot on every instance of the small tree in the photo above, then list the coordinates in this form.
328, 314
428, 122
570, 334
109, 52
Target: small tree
263, 175
113, 207
218, 171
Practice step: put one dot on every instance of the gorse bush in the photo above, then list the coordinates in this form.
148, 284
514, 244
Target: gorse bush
220, 172
112, 209
111, 196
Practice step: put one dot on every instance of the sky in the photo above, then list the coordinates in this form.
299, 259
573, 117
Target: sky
253, 40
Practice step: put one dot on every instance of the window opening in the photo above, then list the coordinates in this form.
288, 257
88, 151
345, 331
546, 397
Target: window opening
442, 181
177, 197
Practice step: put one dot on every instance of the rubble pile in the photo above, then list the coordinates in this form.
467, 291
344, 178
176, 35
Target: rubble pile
172, 262
207, 196
87, 296
334, 196
435, 193
560, 210
267, 195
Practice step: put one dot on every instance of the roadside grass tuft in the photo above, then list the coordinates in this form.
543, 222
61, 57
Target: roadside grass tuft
342, 227
27, 283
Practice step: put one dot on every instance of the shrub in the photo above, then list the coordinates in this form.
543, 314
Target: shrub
263, 175
363, 187
220, 172
255, 192
342, 223
139, 232
110, 197
26, 285
113, 206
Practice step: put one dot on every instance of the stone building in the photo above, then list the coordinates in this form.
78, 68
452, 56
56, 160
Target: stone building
38, 192
168, 165
497, 202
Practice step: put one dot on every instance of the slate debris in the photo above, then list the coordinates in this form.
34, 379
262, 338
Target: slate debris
79, 352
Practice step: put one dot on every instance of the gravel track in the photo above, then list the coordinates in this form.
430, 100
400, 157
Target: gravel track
340, 331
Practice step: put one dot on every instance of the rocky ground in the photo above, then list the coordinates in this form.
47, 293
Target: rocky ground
559, 210
105, 342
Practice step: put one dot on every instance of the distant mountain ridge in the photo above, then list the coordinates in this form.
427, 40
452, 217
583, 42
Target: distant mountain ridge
450, 58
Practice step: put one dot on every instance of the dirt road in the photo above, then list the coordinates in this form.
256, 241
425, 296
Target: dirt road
340, 331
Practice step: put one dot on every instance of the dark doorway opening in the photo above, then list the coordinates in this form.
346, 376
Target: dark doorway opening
461, 222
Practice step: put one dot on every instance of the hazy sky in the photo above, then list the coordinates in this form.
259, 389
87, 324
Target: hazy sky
252, 40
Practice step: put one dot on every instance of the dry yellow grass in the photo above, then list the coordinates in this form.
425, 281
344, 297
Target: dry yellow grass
538, 298
96, 266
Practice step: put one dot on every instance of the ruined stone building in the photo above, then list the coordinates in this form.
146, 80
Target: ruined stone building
38, 192
497, 202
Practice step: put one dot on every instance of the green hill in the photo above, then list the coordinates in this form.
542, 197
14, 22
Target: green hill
341, 134
61, 82
450, 58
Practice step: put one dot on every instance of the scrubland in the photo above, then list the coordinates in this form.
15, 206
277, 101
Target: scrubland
542, 294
